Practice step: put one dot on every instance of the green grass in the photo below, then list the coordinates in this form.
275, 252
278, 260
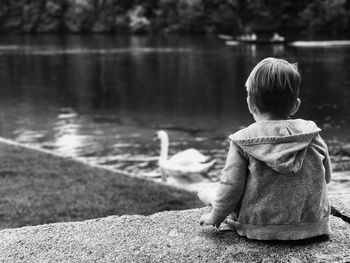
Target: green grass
38, 188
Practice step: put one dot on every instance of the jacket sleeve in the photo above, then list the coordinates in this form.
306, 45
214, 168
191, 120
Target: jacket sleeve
322, 146
327, 166
232, 183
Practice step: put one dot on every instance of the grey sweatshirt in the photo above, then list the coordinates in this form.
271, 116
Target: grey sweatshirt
274, 181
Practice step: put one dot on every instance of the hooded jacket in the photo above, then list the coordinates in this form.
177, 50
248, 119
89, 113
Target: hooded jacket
274, 182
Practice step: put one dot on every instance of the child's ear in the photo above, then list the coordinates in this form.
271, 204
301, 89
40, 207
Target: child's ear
295, 107
250, 105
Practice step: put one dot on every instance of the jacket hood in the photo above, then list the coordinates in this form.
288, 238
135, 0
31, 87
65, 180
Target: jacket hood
281, 144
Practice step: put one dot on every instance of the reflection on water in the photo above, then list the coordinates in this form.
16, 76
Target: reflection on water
67, 138
53, 51
103, 97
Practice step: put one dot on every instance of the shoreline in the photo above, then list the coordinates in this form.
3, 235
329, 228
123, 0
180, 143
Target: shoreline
40, 187
340, 183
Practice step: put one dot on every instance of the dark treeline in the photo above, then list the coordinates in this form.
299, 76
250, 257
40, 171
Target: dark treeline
314, 17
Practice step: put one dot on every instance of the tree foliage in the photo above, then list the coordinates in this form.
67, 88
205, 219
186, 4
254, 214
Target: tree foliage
326, 16
331, 17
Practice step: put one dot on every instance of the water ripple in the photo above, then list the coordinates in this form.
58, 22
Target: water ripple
82, 51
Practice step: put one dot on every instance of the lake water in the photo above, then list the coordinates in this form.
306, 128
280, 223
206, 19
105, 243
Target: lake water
101, 98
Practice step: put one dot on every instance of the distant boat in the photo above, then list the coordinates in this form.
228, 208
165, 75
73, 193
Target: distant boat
9, 47
324, 43
225, 37
252, 38
232, 43
256, 42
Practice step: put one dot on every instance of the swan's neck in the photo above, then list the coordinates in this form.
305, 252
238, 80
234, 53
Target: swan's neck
164, 146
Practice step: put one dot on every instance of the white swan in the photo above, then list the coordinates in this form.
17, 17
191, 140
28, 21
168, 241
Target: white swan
186, 162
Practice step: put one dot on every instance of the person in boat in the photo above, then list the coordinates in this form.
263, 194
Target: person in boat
253, 37
248, 37
277, 38
274, 183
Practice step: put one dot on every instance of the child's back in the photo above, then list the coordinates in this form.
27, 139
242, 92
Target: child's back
285, 194
274, 182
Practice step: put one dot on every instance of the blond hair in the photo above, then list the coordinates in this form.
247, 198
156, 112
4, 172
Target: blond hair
274, 86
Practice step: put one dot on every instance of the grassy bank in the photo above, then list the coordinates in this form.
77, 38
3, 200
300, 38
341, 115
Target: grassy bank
38, 188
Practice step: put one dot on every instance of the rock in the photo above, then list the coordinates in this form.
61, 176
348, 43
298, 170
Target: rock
339, 209
339, 187
173, 236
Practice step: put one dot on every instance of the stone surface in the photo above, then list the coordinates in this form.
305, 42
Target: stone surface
339, 209
173, 236
339, 187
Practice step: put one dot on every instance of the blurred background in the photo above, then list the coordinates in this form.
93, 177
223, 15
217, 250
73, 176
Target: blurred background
95, 79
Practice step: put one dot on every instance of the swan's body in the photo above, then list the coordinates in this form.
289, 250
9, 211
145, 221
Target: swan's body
186, 162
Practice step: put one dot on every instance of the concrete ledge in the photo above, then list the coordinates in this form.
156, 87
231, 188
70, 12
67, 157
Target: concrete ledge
339, 209
173, 236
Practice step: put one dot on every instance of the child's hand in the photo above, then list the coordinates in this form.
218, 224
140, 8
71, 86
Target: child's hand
208, 219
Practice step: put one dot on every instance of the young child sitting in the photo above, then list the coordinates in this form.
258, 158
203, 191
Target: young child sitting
273, 185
